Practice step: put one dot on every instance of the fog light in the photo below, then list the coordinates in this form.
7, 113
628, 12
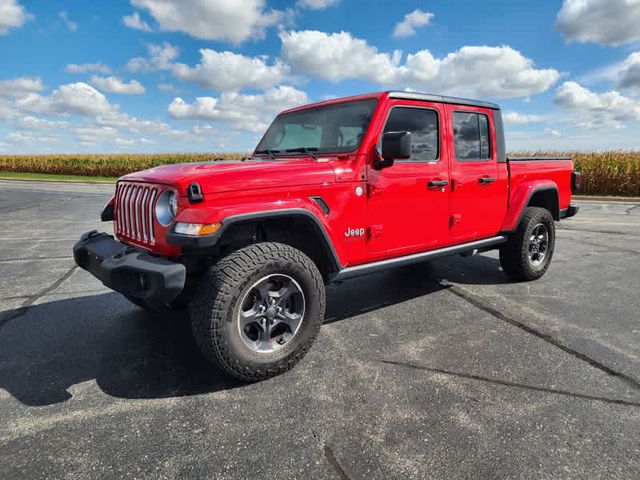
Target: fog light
197, 229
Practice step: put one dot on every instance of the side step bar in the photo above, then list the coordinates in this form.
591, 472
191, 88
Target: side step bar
368, 268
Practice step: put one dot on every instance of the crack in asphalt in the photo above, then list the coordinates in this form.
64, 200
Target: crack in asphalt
506, 383
333, 461
543, 336
20, 311
628, 210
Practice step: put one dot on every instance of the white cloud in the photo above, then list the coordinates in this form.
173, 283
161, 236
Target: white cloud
117, 85
339, 56
411, 21
73, 98
6, 110
166, 87
87, 67
228, 71
235, 20
316, 4
91, 134
223, 71
247, 112
160, 57
30, 138
122, 120
552, 132
36, 123
12, 15
19, 87
609, 22
628, 75
596, 110
130, 142
73, 26
134, 21
515, 118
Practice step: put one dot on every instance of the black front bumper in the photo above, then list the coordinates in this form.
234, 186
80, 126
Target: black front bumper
128, 270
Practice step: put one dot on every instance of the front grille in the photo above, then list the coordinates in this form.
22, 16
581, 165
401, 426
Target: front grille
134, 212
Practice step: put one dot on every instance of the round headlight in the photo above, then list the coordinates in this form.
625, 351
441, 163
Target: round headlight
166, 207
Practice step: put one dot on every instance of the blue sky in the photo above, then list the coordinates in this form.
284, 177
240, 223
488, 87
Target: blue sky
209, 75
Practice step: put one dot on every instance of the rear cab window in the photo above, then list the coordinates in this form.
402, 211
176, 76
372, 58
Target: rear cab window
471, 136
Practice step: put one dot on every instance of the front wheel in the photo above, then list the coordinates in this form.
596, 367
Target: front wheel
528, 252
257, 311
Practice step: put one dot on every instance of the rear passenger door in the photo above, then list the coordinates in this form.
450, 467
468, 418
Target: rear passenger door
477, 192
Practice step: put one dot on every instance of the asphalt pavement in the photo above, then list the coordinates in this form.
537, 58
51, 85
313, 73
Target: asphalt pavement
442, 370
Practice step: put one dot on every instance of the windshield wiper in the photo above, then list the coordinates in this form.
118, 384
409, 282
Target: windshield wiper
308, 150
269, 151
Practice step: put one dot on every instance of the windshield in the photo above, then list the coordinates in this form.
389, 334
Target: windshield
337, 128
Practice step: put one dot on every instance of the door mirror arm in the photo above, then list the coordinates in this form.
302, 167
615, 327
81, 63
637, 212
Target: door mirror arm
395, 145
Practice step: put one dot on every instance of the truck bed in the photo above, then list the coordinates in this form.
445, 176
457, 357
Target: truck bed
539, 171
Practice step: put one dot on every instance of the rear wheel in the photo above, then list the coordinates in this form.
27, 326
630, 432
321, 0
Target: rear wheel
528, 252
257, 311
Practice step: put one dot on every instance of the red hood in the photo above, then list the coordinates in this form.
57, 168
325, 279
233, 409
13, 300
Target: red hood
233, 175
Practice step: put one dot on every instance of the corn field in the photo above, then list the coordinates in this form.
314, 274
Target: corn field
107, 165
603, 173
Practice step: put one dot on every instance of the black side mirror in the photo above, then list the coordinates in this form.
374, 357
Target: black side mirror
394, 145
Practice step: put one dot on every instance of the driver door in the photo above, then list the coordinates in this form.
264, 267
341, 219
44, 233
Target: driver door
408, 204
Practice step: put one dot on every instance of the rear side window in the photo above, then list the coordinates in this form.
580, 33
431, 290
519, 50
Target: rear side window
423, 125
471, 136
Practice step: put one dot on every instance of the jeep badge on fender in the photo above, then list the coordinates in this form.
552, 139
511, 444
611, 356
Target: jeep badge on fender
249, 246
354, 232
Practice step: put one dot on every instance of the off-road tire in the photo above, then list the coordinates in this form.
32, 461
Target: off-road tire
216, 302
514, 254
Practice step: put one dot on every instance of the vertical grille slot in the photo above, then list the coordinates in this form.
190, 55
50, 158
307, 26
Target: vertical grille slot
143, 215
154, 194
134, 218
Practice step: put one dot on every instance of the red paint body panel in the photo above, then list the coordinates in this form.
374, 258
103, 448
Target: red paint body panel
399, 214
527, 176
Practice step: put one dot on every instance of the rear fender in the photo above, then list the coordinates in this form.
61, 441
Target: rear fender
540, 193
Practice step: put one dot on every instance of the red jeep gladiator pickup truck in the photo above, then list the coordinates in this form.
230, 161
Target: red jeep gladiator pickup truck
333, 190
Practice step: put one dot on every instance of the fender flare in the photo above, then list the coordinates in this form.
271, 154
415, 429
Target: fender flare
197, 243
511, 224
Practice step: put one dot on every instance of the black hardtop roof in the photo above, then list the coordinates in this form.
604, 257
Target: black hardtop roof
429, 97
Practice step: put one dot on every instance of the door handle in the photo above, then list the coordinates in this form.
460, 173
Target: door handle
486, 180
437, 184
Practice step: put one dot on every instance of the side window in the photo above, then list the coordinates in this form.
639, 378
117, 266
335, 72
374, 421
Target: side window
471, 136
423, 125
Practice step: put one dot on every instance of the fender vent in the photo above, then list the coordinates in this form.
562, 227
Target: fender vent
322, 204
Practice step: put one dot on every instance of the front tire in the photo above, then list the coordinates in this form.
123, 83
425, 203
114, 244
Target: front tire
257, 311
528, 252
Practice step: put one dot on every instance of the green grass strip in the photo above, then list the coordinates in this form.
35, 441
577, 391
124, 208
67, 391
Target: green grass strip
51, 177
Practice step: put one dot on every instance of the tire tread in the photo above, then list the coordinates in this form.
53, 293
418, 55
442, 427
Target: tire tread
215, 294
